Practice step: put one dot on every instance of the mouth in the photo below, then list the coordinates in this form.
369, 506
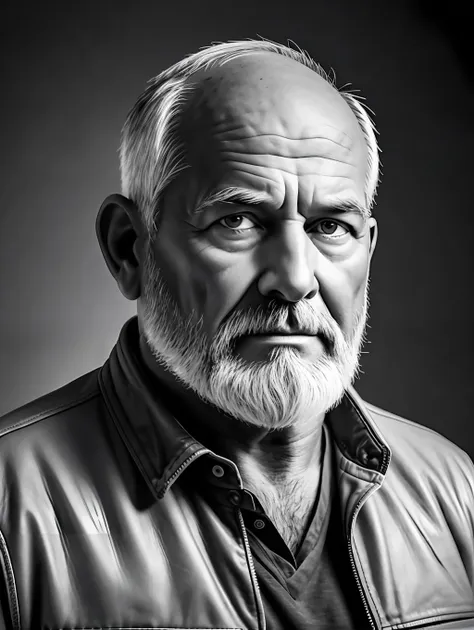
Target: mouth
283, 332
293, 335
260, 346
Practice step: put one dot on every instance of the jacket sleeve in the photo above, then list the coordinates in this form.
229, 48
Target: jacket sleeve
465, 492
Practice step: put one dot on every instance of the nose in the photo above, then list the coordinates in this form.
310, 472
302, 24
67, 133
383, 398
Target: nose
289, 266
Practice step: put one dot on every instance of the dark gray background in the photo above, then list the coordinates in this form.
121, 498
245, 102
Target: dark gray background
71, 72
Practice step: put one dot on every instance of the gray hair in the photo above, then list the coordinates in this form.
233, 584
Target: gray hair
151, 155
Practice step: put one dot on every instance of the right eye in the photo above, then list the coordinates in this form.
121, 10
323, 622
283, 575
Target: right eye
236, 223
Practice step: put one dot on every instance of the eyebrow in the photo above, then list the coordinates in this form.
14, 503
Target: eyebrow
349, 206
243, 196
232, 194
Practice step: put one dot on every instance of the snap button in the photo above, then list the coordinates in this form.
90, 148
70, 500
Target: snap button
259, 524
217, 471
234, 497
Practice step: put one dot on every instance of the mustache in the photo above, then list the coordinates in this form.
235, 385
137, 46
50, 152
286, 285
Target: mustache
278, 318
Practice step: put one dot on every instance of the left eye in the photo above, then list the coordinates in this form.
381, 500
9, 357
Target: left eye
331, 228
237, 222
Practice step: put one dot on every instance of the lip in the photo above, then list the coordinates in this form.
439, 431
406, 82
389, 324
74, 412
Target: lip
285, 337
257, 347
281, 338
281, 333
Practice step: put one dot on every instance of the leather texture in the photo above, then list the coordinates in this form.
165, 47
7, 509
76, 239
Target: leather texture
98, 528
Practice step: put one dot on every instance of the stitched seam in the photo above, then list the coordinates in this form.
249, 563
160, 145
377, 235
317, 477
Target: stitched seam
10, 578
47, 414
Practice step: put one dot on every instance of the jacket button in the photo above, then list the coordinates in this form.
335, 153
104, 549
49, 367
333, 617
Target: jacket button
259, 524
217, 471
234, 497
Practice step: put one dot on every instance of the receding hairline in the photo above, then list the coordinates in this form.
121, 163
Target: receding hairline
202, 83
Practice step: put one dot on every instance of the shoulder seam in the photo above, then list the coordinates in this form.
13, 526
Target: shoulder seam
47, 413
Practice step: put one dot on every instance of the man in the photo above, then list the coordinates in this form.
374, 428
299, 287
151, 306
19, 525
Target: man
219, 471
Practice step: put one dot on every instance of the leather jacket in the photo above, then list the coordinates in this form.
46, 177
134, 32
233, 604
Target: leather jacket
97, 530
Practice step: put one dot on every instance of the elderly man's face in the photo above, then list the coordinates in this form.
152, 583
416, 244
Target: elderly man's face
293, 260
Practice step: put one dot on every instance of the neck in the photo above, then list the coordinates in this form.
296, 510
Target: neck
261, 454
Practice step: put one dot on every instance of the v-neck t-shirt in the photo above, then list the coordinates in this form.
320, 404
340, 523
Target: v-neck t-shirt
314, 589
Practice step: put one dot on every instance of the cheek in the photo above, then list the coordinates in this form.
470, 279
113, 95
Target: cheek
343, 289
206, 283
230, 282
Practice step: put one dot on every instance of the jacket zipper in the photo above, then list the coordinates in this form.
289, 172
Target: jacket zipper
180, 469
253, 574
363, 597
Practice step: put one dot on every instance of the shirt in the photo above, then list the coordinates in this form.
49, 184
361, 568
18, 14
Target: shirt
315, 589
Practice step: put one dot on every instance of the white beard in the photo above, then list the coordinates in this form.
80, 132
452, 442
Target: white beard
280, 392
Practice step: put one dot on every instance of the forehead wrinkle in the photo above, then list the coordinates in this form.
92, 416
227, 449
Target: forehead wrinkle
283, 170
279, 136
252, 135
213, 125
248, 131
228, 123
279, 145
285, 157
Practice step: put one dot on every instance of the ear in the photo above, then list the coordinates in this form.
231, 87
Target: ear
374, 233
118, 229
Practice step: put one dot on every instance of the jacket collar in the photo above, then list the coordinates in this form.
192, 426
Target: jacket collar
162, 448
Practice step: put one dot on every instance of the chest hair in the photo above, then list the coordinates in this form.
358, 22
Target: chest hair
290, 506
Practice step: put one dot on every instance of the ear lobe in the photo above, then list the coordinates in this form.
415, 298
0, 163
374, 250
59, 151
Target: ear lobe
118, 229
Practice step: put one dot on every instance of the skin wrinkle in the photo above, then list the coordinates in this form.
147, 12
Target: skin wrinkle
296, 157
258, 202
283, 170
225, 159
280, 135
365, 214
276, 140
298, 139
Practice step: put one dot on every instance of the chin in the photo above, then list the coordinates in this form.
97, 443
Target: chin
281, 392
